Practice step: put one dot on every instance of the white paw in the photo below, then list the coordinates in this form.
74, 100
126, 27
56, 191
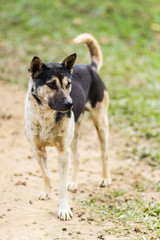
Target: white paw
64, 212
72, 187
44, 195
105, 182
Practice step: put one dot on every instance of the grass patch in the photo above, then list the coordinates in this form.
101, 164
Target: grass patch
148, 153
129, 214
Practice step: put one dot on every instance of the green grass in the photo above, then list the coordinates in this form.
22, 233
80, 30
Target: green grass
129, 214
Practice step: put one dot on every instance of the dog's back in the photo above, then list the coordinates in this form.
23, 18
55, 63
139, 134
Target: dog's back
87, 86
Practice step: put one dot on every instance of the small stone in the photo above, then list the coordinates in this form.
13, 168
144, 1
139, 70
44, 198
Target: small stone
136, 229
90, 219
101, 237
81, 214
20, 183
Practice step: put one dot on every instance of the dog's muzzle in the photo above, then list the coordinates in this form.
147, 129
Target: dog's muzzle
64, 106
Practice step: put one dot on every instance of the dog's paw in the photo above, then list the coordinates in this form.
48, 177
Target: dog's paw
72, 187
64, 212
44, 195
105, 182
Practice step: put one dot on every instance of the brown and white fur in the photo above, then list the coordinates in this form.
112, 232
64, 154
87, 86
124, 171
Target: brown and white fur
58, 94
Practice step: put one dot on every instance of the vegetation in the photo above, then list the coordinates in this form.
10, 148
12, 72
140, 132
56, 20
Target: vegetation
129, 214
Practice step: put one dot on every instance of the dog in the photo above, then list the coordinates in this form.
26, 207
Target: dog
58, 94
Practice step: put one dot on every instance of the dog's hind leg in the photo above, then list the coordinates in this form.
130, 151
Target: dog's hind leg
41, 157
73, 185
100, 119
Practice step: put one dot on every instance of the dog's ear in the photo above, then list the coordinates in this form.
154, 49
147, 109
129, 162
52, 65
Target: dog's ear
69, 61
36, 66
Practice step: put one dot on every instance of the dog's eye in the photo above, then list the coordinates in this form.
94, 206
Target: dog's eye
68, 85
52, 85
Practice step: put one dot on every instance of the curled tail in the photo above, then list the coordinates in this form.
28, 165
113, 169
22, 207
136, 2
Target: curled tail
94, 49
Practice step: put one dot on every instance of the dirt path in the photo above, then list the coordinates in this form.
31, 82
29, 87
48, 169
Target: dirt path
22, 215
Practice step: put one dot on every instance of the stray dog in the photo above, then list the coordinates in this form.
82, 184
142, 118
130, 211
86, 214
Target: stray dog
58, 94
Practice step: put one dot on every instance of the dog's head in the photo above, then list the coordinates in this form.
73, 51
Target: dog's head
52, 83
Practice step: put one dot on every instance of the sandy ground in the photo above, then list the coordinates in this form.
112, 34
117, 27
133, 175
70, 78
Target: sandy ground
22, 215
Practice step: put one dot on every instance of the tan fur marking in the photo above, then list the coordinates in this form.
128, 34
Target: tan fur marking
54, 80
65, 81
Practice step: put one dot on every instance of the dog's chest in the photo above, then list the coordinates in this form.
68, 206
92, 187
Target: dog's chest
50, 129
43, 129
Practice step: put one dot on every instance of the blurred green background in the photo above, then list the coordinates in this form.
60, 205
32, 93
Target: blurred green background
128, 32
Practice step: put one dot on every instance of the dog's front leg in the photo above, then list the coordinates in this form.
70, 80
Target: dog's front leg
41, 157
64, 211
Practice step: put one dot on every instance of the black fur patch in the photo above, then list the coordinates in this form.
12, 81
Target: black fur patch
86, 86
93, 65
96, 93
36, 98
51, 70
61, 115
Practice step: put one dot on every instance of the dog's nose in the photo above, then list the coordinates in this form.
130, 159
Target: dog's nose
68, 104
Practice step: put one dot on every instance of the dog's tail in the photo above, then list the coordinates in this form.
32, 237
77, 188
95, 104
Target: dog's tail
94, 49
